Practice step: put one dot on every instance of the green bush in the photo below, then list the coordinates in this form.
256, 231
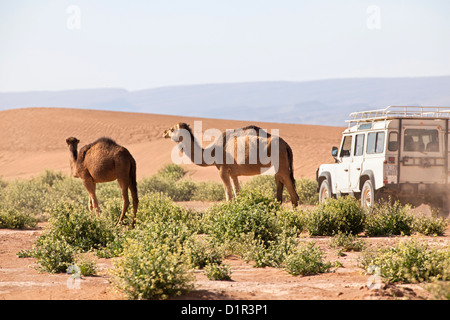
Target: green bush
152, 270
159, 207
306, 260
388, 219
251, 213
170, 181
307, 191
32, 197
80, 228
347, 242
266, 185
293, 219
429, 226
271, 254
173, 172
262, 184
208, 191
343, 215
177, 190
216, 271
409, 261
53, 254
87, 265
203, 251
14, 219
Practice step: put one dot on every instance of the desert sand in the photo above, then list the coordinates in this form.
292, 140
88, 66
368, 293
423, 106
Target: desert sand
32, 140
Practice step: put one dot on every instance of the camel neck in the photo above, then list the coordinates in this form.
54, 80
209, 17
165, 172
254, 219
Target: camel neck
195, 151
73, 153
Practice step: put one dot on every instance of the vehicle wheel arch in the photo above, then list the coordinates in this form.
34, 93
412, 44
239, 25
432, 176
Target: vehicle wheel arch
324, 176
366, 175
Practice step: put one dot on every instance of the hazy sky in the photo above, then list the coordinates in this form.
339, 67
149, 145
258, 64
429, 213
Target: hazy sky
139, 44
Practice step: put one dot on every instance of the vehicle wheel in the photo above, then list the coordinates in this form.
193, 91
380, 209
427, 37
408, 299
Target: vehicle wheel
324, 191
367, 195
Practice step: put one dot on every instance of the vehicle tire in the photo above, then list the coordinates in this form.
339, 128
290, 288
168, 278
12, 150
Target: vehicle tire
367, 195
324, 191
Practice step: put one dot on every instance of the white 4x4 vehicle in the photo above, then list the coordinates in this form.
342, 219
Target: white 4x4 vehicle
401, 152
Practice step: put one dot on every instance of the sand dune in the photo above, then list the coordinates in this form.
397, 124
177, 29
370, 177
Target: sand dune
32, 140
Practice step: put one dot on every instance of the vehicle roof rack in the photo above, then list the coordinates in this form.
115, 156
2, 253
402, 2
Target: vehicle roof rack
409, 112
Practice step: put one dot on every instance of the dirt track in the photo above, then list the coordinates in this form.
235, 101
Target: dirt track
19, 278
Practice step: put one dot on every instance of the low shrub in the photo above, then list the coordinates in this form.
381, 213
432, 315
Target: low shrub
408, 262
306, 260
87, 265
343, 215
202, 251
307, 191
221, 272
347, 242
208, 191
80, 228
271, 254
429, 226
157, 208
266, 185
387, 219
150, 269
53, 255
252, 213
14, 219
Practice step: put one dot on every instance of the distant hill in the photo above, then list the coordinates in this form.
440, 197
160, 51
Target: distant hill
325, 102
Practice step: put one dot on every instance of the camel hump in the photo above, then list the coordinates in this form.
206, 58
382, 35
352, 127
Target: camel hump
105, 140
108, 143
257, 129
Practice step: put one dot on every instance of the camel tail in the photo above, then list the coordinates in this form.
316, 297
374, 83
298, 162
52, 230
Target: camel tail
291, 164
133, 183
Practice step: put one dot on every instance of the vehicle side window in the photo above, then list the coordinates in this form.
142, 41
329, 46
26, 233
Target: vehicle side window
359, 145
375, 142
346, 147
393, 141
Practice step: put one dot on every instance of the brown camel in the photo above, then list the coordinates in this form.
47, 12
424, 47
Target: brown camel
238, 153
104, 161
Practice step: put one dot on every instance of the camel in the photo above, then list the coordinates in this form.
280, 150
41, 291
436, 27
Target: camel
245, 163
104, 161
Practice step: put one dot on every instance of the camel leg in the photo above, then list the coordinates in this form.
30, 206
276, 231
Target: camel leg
279, 188
89, 184
134, 195
126, 202
236, 185
290, 187
225, 176
91, 203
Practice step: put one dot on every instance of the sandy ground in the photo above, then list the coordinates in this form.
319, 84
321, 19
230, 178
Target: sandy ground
32, 140
20, 278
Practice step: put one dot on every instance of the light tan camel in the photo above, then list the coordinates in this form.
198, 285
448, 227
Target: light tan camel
104, 161
244, 162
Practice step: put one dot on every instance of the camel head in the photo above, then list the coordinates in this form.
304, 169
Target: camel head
176, 132
72, 142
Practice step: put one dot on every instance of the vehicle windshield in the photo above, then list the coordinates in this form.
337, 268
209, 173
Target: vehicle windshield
422, 140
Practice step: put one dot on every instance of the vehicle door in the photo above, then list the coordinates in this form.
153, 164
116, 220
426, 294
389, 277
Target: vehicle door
342, 181
422, 155
355, 167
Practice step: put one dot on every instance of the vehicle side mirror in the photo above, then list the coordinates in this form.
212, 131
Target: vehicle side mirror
334, 151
